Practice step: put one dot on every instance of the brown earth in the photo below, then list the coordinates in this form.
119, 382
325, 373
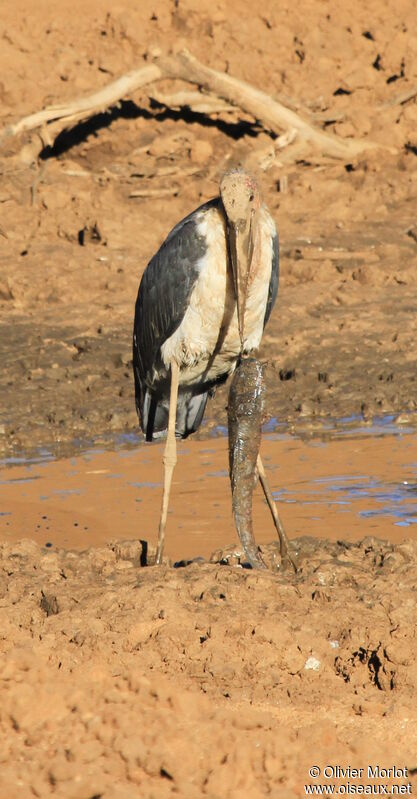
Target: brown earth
342, 337
118, 681
209, 680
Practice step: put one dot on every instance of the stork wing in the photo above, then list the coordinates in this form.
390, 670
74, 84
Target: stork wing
163, 296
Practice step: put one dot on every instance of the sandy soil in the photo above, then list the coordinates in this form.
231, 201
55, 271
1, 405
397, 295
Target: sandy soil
208, 680
119, 681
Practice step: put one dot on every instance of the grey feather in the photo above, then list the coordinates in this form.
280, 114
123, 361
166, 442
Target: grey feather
161, 304
155, 411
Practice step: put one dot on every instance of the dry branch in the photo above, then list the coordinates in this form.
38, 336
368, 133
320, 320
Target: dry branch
155, 193
196, 101
271, 115
84, 107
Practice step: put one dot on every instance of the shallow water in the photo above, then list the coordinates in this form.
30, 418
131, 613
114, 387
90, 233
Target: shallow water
399, 502
344, 486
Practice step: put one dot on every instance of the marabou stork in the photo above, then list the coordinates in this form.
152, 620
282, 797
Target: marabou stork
203, 302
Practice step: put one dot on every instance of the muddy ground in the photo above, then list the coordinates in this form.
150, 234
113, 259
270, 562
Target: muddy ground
74, 242
209, 680
120, 681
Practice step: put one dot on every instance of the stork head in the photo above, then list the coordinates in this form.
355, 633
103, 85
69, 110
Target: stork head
241, 201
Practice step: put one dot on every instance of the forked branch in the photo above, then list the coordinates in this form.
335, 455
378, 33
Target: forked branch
218, 86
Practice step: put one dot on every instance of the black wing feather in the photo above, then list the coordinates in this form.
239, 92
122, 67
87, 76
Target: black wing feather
273, 283
163, 298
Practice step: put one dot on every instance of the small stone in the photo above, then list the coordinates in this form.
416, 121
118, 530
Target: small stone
49, 604
123, 565
403, 418
50, 563
312, 664
305, 409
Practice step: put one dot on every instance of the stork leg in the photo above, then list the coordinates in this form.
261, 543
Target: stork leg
170, 458
286, 558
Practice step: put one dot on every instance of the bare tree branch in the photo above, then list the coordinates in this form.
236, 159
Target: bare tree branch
198, 102
84, 107
271, 115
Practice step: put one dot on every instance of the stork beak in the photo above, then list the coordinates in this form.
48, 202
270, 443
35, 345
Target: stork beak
241, 203
241, 253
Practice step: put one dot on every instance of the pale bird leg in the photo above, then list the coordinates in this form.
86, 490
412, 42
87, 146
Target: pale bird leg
286, 557
169, 459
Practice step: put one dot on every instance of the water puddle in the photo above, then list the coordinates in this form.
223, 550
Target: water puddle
399, 502
359, 481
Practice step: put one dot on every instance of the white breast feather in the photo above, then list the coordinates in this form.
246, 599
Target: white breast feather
212, 302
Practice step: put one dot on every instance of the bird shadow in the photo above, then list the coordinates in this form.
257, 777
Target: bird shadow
127, 109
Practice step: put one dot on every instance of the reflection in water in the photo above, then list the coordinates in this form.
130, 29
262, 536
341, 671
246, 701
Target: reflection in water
20, 479
344, 427
395, 499
68, 492
145, 484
